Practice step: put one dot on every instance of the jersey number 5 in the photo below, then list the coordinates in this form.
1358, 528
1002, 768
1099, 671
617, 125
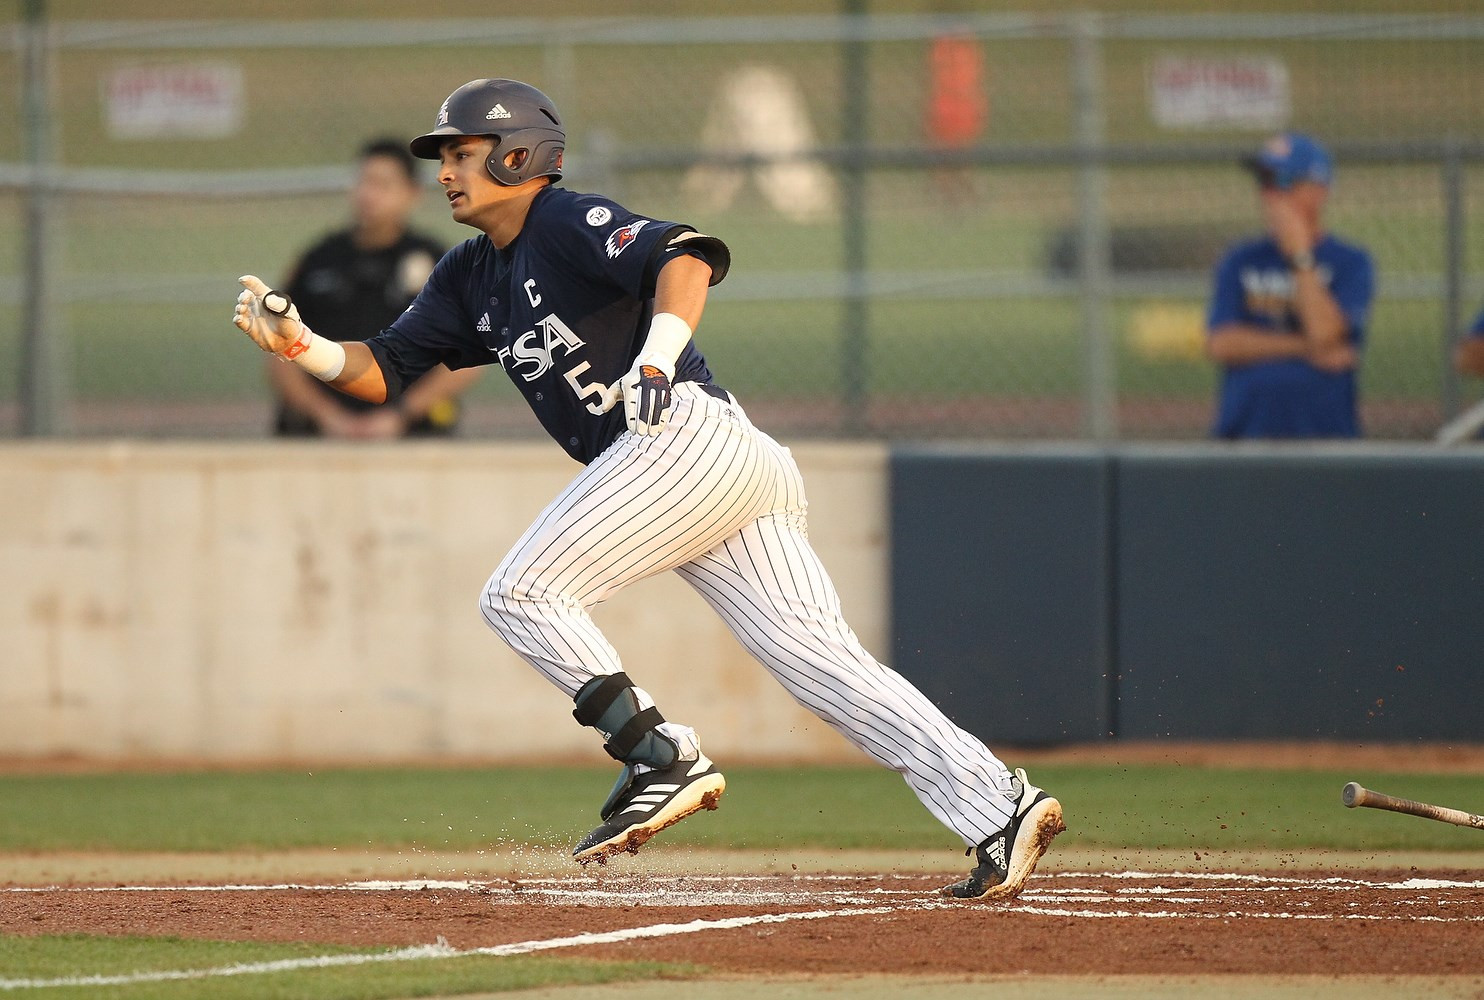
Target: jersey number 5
598, 405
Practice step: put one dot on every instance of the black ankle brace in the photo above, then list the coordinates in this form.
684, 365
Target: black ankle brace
609, 705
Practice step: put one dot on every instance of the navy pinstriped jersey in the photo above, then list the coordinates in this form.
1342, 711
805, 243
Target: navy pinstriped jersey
564, 309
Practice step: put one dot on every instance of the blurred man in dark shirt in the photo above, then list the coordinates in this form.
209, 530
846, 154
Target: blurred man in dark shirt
360, 279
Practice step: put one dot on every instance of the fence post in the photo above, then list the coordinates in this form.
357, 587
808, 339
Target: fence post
39, 391
855, 313
1453, 262
559, 78
1100, 411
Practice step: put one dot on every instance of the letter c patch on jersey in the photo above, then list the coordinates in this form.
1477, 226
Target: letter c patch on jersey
620, 238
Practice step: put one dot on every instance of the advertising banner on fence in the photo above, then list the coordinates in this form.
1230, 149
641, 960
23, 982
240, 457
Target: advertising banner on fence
178, 100
1203, 92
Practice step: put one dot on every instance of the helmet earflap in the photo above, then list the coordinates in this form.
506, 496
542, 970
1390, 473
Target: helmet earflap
539, 158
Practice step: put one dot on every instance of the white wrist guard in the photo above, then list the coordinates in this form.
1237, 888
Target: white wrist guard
319, 356
668, 335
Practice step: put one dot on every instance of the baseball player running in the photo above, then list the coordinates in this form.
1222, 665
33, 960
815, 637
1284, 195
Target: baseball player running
590, 310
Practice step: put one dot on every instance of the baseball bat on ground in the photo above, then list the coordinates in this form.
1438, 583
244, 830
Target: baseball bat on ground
1354, 794
1463, 426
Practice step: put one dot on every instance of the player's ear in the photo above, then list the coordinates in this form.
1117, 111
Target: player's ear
516, 158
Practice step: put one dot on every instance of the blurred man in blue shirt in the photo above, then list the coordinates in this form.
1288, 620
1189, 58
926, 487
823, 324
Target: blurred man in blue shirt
1288, 309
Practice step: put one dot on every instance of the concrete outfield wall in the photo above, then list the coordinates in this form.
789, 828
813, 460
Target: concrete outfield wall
247, 602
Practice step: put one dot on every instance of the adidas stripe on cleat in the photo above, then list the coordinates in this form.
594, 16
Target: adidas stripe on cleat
1007, 859
645, 803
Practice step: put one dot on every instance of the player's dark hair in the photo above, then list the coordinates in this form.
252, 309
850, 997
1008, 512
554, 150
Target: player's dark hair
392, 149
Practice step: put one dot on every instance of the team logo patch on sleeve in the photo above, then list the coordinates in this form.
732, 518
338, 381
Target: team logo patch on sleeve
620, 238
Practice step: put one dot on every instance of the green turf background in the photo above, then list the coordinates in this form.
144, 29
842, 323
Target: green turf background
960, 307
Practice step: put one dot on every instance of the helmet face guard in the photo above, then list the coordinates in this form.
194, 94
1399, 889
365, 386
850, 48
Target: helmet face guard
528, 134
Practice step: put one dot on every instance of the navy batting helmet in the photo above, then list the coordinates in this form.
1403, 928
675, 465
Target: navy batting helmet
517, 116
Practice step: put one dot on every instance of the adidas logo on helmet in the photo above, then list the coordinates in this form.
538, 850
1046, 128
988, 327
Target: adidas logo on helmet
529, 137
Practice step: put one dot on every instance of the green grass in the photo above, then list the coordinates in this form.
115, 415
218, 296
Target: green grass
172, 345
62, 956
764, 340
934, 351
1107, 807
54, 955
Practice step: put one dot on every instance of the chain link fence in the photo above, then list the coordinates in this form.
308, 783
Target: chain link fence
979, 225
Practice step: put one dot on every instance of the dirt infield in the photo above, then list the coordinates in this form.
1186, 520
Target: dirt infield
1067, 922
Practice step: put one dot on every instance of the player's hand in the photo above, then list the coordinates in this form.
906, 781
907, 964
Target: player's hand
272, 332
1334, 358
381, 424
1287, 224
646, 396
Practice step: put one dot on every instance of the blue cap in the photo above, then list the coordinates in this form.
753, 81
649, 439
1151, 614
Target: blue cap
1288, 158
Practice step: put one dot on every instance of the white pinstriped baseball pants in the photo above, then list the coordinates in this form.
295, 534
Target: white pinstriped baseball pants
722, 504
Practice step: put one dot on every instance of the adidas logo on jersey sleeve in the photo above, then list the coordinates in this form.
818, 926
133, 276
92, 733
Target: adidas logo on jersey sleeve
498, 111
483, 326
